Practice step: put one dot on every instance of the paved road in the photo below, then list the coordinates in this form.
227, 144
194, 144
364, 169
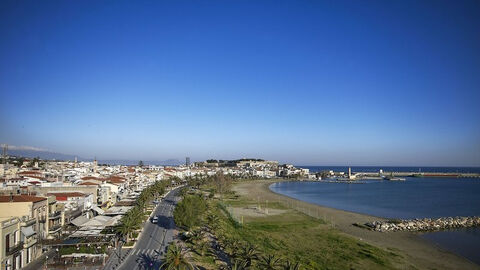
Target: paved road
154, 239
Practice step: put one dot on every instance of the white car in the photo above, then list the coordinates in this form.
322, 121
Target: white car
155, 220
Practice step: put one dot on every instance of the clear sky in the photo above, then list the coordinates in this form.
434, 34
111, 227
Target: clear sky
304, 82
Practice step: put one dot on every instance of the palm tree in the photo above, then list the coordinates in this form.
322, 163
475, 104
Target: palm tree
176, 260
125, 228
249, 254
195, 237
129, 223
134, 215
233, 247
213, 221
288, 265
158, 189
203, 249
239, 265
269, 262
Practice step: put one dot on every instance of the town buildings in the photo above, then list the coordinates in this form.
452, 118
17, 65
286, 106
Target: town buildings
42, 201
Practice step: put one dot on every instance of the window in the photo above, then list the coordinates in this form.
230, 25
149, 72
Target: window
7, 243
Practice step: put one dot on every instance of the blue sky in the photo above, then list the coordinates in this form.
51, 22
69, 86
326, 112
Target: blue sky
305, 82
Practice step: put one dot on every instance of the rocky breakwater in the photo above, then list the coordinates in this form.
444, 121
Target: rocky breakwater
425, 224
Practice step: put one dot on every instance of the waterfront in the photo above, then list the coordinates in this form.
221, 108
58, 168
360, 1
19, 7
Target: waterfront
411, 169
414, 198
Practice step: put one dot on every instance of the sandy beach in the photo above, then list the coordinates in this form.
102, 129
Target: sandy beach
417, 252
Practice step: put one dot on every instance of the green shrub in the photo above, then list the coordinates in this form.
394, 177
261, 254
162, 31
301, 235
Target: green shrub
189, 211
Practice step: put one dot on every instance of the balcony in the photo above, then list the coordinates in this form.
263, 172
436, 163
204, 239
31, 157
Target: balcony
27, 221
55, 215
9, 222
30, 241
13, 249
54, 228
73, 214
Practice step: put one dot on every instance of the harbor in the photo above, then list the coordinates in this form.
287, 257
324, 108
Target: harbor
348, 175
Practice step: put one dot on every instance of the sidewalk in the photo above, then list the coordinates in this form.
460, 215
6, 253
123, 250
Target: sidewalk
115, 260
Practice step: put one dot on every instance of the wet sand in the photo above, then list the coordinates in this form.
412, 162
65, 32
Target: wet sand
417, 252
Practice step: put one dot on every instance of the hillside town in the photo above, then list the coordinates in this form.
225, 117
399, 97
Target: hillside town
49, 205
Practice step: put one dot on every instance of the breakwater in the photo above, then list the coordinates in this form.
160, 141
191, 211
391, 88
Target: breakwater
411, 174
425, 224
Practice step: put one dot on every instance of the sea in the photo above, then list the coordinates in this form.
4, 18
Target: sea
413, 198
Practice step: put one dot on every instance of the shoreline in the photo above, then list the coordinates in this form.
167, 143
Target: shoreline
417, 252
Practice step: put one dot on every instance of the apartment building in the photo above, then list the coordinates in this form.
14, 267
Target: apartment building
42, 209
18, 242
73, 200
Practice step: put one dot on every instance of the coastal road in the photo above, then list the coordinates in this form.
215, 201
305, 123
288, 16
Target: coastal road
154, 239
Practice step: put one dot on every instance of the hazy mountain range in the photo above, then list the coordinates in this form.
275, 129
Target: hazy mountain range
32, 152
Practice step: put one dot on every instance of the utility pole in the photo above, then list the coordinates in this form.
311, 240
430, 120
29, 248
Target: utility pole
4, 156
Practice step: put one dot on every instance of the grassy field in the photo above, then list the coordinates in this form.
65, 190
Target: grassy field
295, 236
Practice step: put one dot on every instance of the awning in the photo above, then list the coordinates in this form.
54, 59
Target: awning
98, 221
79, 255
79, 221
28, 231
85, 233
98, 210
113, 221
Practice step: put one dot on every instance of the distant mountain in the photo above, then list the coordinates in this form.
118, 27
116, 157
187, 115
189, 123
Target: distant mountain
171, 162
168, 162
42, 154
32, 152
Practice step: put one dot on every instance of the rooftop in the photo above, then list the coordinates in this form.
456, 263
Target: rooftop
88, 184
21, 198
67, 194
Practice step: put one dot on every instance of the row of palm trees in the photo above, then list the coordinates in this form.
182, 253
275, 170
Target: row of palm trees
245, 256
134, 218
268, 262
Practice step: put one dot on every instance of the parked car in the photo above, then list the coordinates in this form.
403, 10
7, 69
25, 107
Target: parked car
155, 220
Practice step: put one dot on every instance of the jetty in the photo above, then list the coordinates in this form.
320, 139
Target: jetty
420, 174
425, 224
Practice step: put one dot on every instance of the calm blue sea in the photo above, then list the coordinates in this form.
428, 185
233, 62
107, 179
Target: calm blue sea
413, 198
393, 169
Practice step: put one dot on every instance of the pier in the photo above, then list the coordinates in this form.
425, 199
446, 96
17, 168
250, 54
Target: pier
416, 174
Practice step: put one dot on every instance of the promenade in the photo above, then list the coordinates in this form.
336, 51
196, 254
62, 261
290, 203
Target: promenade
153, 240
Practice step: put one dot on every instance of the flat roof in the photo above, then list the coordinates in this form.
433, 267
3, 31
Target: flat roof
20, 198
68, 194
